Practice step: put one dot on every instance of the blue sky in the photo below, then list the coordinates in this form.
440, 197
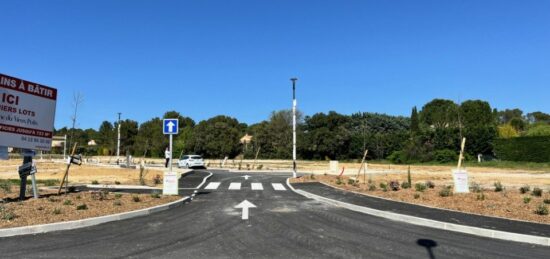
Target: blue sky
204, 58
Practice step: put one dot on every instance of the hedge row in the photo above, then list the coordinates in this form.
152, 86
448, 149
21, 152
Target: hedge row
528, 149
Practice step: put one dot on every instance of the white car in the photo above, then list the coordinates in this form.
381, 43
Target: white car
188, 161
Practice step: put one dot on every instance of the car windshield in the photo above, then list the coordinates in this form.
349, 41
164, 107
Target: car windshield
196, 157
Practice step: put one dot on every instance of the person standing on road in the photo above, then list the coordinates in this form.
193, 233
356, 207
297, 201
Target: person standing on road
167, 156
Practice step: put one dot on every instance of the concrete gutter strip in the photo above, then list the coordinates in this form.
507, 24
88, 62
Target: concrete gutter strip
502, 235
36, 229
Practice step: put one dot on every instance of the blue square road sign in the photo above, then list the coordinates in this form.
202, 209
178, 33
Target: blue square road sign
170, 126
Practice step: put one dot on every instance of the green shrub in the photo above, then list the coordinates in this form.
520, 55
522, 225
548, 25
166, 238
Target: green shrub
498, 187
118, 195
397, 157
339, 180
312, 176
383, 185
155, 195
351, 181
445, 156
56, 211
82, 207
446, 191
78, 197
405, 185
136, 198
430, 184
67, 202
260, 167
541, 210
527, 149
537, 192
476, 187
420, 187
416, 196
117, 203
526, 199
524, 189
95, 182
480, 196
117, 182
546, 201
158, 179
372, 187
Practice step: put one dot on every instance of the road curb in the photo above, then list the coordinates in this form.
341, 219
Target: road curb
495, 234
37, 229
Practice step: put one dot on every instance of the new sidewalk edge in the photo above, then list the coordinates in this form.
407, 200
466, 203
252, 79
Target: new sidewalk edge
37, 229
482, 232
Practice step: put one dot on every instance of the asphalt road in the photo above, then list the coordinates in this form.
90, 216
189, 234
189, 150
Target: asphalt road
284, 225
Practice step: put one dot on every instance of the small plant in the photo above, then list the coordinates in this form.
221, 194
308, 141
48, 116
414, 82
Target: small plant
537, 192
541, 210
78, 197
546, 201
351, 181
136, 198
260, 167
95, 182
383, 186
372, 187
52, 199
430, 184
117, 182
420, 187
82, 207
480, 196
498, 186
56, 211
446, 191
526, 199
100, 195
6, 186
6, 214
67, 202
155, 195
416, 196
158, 180
117, 203
476, 187
339, 180
312, 176
40, 208
394, 185
405, 185
524, 189
118, 195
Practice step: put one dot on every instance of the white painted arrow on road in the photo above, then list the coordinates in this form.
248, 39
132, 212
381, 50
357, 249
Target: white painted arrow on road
245, 205
171, 126
246, 177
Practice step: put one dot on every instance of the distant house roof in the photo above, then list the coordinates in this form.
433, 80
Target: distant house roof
246, 139
92, 143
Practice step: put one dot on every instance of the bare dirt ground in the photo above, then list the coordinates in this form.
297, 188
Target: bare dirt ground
84, 174
509, 203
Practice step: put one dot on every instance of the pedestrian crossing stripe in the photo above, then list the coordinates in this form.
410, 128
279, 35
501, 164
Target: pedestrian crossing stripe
212, 186
235, 186
257, 187
278, 187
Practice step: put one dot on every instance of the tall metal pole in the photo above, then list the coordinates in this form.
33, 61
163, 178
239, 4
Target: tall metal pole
294, 126
118, 141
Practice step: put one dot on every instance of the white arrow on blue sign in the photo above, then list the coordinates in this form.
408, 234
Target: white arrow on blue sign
170, 126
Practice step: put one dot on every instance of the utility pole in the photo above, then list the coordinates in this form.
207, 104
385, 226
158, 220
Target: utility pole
293, 126
118, 141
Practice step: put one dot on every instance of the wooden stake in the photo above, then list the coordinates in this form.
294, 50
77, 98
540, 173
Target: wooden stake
362, 164
66, 175
256, 158
461, 156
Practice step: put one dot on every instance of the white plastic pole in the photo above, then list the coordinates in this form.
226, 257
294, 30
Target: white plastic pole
170, 161
294, 127
118, 141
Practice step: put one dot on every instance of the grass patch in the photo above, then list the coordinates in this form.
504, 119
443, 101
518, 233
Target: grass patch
537, 192
82, 207
541, 210
420, 187
526, 199
67, 202
498, 187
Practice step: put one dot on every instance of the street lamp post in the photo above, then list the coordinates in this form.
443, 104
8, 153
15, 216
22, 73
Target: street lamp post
118, 141
294, 126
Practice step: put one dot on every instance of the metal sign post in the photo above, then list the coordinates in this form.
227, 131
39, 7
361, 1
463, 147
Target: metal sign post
170, 127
